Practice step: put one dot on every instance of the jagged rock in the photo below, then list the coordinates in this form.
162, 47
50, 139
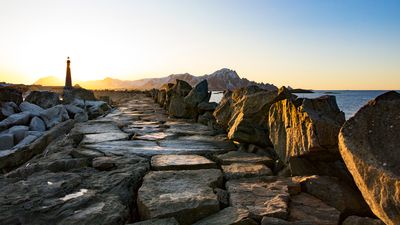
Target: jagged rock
306, 209
223, 197
228, 216
186, 195
77, 113
7, 109
19, 132
181, 88
177, 107
356, 220
244, 157
262, 197
15, 119
54, 116
44, 99
305, 129
336, 194
181, 162
162, 94
37, 124
33, 109
369, 146
223, 111
6, 141
245, 170
8, 94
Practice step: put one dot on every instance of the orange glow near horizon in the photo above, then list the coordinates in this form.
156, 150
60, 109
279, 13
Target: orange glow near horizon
263, 41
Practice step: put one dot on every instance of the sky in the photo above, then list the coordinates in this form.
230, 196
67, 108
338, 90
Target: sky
329, 44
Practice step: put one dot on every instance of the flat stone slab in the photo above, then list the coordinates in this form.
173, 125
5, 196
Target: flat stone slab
181, 162
170, 147
306, 208
244, 157
103, 137
95, 127
166, 221
228, 216
186, 195
245, 170
262, 197
154, 136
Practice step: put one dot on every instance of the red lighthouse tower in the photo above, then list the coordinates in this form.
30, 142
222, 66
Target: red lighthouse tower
68, 79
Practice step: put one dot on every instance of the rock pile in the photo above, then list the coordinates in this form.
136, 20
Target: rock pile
27, 122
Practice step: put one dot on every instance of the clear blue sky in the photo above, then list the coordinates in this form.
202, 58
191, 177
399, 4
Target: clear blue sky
322, 44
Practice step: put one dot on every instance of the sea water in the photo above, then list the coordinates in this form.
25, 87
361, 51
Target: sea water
348, 101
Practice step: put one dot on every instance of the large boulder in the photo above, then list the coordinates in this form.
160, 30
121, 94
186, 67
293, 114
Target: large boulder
7, 109
180, 89
6, 141
162, 93
54, 116
44, 99
197, 95
8, 94
369, 145
80, 93
19, 132
304, 129
15, 119
33, 109
243, 114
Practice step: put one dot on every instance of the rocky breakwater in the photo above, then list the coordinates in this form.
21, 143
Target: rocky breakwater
27, 127
369, 145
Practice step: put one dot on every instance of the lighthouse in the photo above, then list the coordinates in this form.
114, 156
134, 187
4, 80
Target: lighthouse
68, 79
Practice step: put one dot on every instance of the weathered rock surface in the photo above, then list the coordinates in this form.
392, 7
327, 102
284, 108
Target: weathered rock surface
8, 94
19, 132
197, 95
78, 93
6, 141
369, 146
244, 157
245, 170
97, 108
181, 162
335, 193
186, 195
37, 124
356, 220
307, 209
54, 115
33, 109
15, 119
305, 128
166, 221
207, 107
44, 99
228, 216
262, 197
103, 137
7, 109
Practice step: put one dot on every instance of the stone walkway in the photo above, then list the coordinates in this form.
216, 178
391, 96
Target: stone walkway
138, 164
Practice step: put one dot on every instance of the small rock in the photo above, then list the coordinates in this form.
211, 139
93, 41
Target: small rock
244, 157
37, 124
223, 197
275, 221
7, 109
26, 141
15, 119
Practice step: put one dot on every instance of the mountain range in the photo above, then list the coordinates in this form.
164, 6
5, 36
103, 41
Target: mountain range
220, 80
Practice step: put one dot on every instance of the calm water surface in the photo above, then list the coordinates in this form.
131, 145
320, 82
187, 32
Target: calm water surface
348, 101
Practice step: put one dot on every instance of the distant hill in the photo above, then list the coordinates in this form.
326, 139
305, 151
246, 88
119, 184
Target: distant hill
220, 80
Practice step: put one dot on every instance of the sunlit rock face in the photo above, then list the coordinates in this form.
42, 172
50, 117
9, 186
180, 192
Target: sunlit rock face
243, 113
305, 128
369, 145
